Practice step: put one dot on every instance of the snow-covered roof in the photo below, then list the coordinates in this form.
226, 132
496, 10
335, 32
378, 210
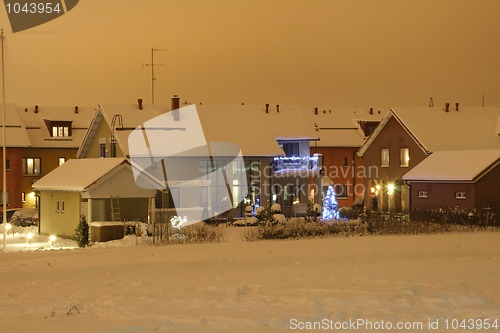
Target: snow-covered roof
250, 127
39, 134
435, 129
454, 165
76, 175
16, 134
340, 127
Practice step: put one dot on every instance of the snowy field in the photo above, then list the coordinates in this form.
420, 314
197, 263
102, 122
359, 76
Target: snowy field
267, 286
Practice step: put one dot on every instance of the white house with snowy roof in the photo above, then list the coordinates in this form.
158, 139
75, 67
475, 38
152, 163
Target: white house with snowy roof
273, 142
83, 187
407, 136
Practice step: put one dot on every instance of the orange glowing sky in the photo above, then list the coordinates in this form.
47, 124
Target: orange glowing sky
303, 52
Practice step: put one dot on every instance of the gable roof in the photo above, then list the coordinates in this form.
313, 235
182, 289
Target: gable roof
434, 129
468, 165
39, 133
254, 130
15, 131
76, 175
340, 127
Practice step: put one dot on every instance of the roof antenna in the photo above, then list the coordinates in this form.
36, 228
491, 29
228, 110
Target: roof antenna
152, 65
431, 102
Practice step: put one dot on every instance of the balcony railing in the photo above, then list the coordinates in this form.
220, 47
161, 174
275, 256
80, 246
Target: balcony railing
283, 164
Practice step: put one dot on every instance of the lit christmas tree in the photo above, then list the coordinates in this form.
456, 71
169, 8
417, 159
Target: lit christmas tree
330, 207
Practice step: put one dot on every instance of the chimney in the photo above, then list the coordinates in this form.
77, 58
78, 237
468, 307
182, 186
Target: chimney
175, 107
447, 107
76, 109
456, 106
36, 108
278, 108
267, 108
371, 110
139, 103
316, 111
25, 109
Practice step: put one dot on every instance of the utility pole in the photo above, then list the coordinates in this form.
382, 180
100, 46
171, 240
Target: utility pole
4, 153
152, 65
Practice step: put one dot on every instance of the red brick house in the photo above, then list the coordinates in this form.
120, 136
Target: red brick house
342, 132
39, 139
473, 182
407, 136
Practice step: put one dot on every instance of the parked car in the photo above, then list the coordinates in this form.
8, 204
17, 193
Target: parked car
25, 217
10, 212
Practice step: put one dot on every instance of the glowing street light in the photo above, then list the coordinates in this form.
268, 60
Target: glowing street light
390, 188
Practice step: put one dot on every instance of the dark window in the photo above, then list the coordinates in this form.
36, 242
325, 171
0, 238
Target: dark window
102, 150
7, 165
291, 149
341, 191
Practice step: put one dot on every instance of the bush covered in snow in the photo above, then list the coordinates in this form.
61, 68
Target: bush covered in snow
82, 232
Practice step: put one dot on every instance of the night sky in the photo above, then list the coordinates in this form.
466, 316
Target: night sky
332, 53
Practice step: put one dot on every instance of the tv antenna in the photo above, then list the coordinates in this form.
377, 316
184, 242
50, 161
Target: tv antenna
153, 65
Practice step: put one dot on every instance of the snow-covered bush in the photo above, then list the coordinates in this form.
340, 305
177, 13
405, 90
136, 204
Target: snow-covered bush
82, 232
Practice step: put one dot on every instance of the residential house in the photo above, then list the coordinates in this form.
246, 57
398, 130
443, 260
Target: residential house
472, 182
84, 187
342, 132
407, 136
273, 142
55, 133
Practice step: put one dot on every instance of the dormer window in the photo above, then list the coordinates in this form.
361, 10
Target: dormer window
291, 149
60, 131
58, 128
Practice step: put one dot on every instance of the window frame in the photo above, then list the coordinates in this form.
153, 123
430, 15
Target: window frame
460, 195
423, 194
384, 157
33, 168
404, 159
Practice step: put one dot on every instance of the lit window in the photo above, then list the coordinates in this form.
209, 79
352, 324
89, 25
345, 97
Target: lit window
23, 196
60, 131
460, 195
384, 157
423, 194
31, 166
62, 160
405, 157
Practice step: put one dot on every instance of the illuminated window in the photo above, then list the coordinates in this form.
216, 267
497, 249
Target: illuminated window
62, 160
23, 196
384, 157
423, 194
405, 157
31, 166
460, 195
60, 131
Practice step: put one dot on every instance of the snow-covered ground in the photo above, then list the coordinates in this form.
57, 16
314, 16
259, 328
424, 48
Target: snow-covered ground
266, 286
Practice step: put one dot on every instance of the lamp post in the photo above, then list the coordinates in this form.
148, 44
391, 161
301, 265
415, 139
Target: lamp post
4, 189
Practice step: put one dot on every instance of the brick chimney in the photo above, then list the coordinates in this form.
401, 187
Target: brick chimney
456, 106
267, 108
175, 107
76, 109
278, 108
447, 107
36, 108
139, 102
316, 111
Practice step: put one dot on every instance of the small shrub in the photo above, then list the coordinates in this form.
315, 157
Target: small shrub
82, 232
